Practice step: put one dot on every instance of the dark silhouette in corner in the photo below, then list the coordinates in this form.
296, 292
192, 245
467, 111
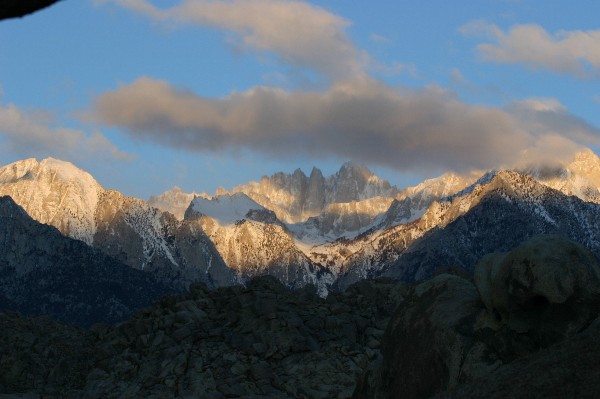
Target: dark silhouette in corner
21, 8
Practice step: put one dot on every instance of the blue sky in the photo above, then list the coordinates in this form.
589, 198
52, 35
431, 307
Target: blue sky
201, 94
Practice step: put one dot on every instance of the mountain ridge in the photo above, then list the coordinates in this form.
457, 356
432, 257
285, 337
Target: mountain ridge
231, 238
60, 194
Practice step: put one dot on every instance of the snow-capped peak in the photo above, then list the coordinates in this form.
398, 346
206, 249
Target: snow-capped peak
580, 177
225, 209
54, 192
17, 170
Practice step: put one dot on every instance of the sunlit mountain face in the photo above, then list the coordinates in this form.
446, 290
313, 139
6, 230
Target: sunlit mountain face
327, 231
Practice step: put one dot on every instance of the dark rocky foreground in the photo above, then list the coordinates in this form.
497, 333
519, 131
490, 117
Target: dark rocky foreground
261, 341
526, 327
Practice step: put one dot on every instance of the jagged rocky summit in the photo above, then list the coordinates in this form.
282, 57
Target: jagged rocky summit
296, 197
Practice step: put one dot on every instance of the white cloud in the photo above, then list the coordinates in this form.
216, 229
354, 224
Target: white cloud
300, 34
28, 134
376, 38
568, 52
359, 119
543, 104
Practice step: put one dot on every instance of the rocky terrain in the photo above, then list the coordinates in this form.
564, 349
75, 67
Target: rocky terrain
253, 242
525, 327
260, 341
175, 201
327, 231
495, 214
296, 197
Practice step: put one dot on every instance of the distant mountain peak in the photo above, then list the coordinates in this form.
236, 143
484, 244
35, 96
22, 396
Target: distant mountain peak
315, 172
355, 167
296, 197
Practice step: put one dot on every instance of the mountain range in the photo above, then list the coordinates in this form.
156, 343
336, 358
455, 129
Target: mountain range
325, 231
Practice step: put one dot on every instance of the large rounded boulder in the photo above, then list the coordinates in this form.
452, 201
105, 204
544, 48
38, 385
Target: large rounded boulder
548, 287
429, 344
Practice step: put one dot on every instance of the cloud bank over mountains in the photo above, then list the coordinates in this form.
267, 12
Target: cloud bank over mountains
357, 116
359, 119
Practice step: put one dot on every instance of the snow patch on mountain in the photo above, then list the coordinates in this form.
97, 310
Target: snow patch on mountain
225, 209
341, 220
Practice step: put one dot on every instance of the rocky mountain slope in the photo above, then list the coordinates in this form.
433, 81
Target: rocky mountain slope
580, 178
296, 197
253, 242
353, 224
43, 272
455, 232
343, 219
59, 194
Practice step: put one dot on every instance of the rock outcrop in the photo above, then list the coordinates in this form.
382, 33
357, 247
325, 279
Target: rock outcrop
526, 316
259, 341
429, 345
547, 286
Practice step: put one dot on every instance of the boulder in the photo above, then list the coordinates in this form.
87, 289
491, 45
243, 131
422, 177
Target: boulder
548, 287
429, 345
568, 369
